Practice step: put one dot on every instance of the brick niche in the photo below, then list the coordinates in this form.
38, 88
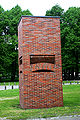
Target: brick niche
40, 70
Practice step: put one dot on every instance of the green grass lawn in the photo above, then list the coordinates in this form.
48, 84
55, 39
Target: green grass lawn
9, 105
72, 81
9, 83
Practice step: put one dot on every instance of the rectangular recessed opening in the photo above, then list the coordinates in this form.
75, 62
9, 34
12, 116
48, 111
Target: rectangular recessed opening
43, 70
20, 60
42, 59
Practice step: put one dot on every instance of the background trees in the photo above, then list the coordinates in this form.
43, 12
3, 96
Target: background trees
55, 11
70, 39
9, 41
70, 30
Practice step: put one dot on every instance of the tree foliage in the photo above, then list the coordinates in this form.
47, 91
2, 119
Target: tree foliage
70, 39
9, 41
70, 36
55, 11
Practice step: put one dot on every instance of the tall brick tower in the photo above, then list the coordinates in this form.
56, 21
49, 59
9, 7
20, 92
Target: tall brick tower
40, 70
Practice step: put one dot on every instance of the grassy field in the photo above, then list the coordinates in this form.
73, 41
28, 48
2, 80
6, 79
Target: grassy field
72, 81
9, 105
9, 83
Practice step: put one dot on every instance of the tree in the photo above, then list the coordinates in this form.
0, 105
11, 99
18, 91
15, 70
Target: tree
9, 40
55, 11
70, 37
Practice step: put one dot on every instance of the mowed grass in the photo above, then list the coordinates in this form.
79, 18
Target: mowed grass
71, 81
9, 83
10, 108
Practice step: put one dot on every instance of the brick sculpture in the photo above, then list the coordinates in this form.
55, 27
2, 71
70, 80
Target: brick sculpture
40, 70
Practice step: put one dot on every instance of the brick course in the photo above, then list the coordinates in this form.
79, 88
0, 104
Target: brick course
40, 69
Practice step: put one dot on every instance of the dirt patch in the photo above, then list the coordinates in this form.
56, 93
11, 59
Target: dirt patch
8, 98
5, 118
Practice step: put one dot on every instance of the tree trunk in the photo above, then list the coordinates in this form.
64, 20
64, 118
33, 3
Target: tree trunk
76, 67
68, 74
72, 74
13, 72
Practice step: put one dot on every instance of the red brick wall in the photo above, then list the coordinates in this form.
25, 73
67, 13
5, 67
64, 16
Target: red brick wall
40, 74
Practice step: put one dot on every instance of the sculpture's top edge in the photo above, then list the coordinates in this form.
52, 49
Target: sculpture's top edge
41, 16
38, 17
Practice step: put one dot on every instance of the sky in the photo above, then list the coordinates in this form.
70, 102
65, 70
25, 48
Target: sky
39, 7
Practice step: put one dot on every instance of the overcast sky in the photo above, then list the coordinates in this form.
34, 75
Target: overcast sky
39, 7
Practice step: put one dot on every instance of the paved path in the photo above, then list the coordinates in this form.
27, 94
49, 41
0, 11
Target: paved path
3, 87
75, 117
70, 83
